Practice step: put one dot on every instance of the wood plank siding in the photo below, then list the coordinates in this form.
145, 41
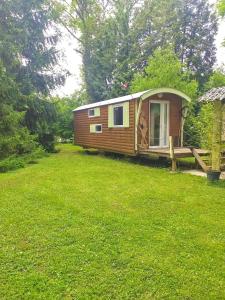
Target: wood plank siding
121, 140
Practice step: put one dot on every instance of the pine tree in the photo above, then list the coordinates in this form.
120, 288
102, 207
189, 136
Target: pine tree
27, 48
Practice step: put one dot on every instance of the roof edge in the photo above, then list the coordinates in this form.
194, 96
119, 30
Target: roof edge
110, 101
143, 95
150, 93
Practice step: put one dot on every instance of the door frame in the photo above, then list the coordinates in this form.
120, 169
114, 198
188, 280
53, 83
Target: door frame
168, 122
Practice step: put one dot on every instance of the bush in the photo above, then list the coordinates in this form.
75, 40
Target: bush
16, 162
11, 163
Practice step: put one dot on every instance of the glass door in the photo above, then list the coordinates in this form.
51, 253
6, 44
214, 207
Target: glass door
159, 123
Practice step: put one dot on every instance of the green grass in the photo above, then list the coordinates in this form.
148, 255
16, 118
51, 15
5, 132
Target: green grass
79, 226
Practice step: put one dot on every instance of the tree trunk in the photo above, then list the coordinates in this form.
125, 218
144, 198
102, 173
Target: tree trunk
216, 136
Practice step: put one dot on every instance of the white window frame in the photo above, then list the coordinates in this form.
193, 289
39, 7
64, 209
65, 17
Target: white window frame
115, 106
168, 122
94, 125
126, 115
96, 110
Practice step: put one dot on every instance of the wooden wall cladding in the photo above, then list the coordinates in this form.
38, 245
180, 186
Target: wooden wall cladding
120, 140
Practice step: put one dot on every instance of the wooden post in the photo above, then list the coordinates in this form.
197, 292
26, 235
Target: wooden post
216, 136
172, 155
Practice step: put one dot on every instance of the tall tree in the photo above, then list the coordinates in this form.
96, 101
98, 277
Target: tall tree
116, 37
28, 55
190, 26
195, 41
28, 44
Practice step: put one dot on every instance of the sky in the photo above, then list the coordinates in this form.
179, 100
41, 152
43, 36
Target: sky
72, 60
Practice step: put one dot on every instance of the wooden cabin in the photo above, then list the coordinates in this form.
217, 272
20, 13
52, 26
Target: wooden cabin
133, 124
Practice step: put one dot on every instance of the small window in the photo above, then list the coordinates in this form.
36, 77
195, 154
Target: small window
96, 128
94, 112
118, 116
91, 112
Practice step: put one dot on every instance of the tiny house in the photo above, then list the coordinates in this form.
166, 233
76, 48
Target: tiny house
133, 124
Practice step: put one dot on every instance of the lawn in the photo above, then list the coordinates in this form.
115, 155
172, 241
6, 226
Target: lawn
79, 226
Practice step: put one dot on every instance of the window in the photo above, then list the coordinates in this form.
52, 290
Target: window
94, 112
91, 113
118, 116
96, 128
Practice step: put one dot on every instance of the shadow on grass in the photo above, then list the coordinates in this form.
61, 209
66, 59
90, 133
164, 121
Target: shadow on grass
151, 161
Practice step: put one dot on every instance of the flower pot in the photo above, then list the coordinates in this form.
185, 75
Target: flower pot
213, 175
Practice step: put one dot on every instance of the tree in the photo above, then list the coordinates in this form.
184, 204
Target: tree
15, 139
165, 70
189, 26
28, 54
116, 37
217, 79
195, 41
64, 107
28, 46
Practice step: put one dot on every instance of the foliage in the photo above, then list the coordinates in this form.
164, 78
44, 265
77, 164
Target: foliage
116, 45
14, 162
40, 119
199, 124
221, 7
195, 39
188, 26
28, 46
64, 107
15, 139
217, 79
27, 55
165, 70
205, 120
59, 238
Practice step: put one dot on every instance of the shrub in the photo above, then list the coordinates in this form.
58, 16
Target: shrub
11, 163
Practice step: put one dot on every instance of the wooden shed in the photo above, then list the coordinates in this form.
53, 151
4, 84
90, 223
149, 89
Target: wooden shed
133, 124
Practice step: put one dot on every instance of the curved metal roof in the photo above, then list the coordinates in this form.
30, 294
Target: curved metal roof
143, 95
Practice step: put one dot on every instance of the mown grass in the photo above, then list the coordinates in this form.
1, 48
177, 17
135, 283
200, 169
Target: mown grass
79, 226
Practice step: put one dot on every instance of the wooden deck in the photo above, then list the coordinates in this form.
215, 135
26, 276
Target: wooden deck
178, 152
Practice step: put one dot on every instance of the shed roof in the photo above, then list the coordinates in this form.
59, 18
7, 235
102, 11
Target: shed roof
213, 95
144, 95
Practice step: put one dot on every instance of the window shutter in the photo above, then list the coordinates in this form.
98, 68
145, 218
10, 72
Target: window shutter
92, 128
126, 114
110, 116
97, 112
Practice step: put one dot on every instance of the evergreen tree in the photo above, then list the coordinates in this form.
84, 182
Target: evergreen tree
14, 137
28, 48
